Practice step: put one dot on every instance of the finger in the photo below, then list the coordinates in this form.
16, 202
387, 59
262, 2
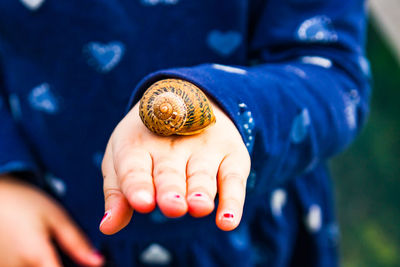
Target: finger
232, 177
133, 167
118, 212
201, 181
170, 182
70, 238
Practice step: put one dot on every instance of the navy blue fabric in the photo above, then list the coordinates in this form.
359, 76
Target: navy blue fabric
291, 75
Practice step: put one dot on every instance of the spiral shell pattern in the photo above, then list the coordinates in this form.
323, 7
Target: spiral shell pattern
174, 106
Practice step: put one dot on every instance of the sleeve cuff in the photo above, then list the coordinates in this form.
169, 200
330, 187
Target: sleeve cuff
15, 157
210, 79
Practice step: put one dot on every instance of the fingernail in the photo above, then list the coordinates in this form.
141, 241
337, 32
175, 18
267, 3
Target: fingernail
198, 196
106, 216
97, 257
143, 196
228, 216
173, 197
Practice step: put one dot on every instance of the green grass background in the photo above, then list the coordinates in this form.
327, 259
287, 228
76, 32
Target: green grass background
367, 175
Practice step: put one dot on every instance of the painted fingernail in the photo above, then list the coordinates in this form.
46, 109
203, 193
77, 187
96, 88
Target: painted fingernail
198, 196
228, 216
97, 258
173, 197
107, 216
143, 196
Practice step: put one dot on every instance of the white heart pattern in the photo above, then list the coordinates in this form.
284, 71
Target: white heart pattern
41, 98
15, 106
229, 69
278, 200
155, 254
224, 43
313, 219
57, 185
32, 4
317, 29
300, 127
157, 2
104, 57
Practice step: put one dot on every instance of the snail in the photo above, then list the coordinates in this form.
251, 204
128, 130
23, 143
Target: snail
173, 106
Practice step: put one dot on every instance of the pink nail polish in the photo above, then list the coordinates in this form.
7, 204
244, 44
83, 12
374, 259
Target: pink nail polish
97, 254
198, 196
228, 216
106, 216
172, 196
97, 257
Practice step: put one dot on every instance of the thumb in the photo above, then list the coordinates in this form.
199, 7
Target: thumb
71, 239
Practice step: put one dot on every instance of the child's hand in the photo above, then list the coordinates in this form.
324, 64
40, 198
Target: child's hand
29, 221
179, 173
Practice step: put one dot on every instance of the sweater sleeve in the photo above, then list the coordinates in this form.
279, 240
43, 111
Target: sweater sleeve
15, 155
305, 98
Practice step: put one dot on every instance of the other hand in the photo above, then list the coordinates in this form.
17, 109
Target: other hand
29, 221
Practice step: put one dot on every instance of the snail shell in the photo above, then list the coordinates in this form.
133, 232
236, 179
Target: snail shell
174, 106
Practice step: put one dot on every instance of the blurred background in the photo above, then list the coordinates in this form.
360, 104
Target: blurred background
367, 175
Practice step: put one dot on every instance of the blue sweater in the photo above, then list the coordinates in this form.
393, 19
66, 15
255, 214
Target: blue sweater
291, 74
